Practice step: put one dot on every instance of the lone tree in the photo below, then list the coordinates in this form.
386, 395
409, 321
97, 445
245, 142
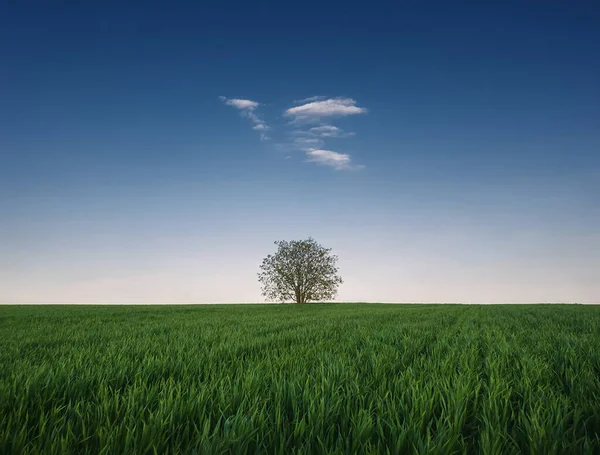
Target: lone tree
301, 271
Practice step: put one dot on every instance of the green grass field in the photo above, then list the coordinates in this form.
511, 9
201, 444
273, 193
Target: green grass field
343, 378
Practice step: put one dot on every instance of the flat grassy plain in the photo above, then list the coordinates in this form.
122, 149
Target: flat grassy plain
338, 378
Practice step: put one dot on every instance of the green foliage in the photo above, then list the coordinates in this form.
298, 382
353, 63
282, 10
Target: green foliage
343, 379
301, 271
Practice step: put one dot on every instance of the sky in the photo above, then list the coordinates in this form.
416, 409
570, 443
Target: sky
445, 151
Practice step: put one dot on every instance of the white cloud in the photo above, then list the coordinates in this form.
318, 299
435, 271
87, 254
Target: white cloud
307, 141
324, 130
338, 161
329, 131
246, 108
240, 104
252, 116
333, 107
310, 99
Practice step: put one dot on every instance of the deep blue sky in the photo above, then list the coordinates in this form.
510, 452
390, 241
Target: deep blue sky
471, 172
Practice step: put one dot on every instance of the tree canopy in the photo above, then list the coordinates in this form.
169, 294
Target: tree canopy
300, 271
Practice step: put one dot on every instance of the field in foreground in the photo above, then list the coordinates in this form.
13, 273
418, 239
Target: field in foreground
344, 378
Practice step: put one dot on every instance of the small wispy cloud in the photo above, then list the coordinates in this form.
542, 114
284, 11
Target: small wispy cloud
336, 160
252, 116
310, 99
329, 131
247, 108
307, 140
240, 103
332, 107
303, 142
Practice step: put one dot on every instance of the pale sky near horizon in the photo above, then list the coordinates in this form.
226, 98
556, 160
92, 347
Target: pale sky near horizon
153, 153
